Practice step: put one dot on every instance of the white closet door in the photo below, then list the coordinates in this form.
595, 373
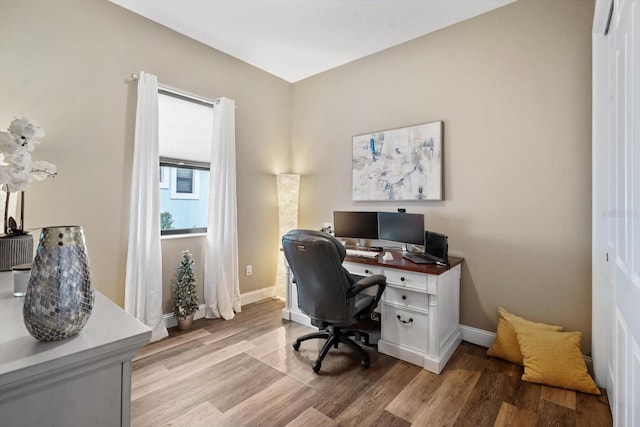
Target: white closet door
616, 251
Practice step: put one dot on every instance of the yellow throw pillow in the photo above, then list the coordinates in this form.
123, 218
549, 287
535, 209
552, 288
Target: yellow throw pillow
505, 345
554, 358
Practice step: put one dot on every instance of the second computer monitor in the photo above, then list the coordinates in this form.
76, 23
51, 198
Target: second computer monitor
401, 227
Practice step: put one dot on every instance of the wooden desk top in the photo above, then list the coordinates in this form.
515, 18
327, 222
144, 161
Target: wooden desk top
404, 264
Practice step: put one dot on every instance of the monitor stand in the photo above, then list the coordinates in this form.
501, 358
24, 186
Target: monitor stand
410, 248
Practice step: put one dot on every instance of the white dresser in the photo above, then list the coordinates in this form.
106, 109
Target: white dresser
84, 380
420, 308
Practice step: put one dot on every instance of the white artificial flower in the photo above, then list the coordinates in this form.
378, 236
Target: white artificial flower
16, 186
16, 166
19, 173
18, 178
21, 157
8, 143
25, 128
4, 175
41, 170
30, 145
17, 126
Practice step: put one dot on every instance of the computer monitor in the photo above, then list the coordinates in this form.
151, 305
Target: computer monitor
356, 225
401, 227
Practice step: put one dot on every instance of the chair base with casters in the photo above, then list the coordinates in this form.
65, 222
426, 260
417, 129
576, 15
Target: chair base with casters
333, 299
334, 336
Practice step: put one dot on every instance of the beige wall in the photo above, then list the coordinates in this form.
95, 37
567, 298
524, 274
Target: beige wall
513, 87
67, 65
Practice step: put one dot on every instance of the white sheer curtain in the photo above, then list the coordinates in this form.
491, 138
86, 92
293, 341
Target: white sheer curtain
221, 272
143, 287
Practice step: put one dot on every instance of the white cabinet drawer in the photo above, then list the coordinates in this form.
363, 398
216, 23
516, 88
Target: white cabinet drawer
365, 270
405, 327
361, 269
406, 279
406, 298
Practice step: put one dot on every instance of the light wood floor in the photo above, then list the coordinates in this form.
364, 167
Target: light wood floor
244, 372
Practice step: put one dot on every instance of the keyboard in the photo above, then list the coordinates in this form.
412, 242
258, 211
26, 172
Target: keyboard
419, 258
366, 254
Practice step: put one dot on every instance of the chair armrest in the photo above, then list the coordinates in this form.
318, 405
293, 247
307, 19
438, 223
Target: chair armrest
375, 280
367, 282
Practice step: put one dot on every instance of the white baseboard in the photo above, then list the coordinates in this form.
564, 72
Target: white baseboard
477, 336
246, 298
255, 296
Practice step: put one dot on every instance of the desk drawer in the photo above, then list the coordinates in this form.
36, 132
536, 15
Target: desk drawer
405, 327
406, 279
361, 269
406, 298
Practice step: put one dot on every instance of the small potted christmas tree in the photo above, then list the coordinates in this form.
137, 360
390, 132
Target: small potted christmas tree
185, 297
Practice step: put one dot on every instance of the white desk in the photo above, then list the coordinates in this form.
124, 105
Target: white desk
84, 380
420, 308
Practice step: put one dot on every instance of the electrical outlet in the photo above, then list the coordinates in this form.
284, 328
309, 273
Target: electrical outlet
249, 270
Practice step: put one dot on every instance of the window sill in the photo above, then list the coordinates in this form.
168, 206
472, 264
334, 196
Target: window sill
182, 236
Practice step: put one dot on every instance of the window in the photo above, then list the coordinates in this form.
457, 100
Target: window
184, 179
185, 129
185, 183
164, 177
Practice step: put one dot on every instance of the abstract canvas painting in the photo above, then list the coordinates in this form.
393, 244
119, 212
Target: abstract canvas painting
398, 164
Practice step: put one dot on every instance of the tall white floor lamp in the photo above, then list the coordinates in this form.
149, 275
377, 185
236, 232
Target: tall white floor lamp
288, 192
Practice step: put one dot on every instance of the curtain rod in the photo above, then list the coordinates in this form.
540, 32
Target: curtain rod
168, 88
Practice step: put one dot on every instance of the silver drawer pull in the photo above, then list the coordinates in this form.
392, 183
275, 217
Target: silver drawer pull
405, 321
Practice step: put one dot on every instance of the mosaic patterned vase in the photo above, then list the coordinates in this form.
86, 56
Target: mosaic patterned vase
59, 295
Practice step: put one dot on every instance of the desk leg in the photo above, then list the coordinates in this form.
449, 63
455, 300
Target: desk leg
433, 325
286, 311
125, 407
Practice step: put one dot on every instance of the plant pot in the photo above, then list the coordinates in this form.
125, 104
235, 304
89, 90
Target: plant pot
15, 250
185, 324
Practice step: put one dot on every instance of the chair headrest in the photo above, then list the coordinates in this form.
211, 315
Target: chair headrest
313, 236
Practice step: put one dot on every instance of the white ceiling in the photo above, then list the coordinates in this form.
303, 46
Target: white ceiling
295, 39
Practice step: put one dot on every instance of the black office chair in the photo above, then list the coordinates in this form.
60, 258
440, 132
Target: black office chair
327, 293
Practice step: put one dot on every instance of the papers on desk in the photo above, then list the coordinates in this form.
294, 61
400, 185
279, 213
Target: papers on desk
366, 254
